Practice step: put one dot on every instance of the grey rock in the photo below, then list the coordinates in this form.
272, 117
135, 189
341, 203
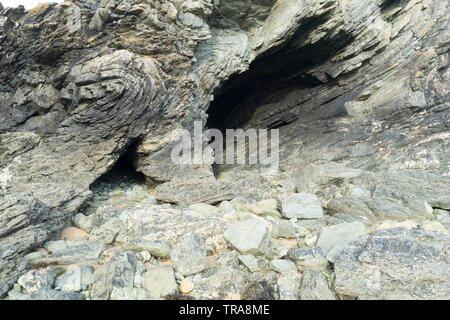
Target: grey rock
287, 229
37, 279
250, 236
288, 286
77, 278
204, 208
395, 263
301, 205
335, 238
163, 224
68, 252
50, 294
315, 287
352, 113
189, 255
283, 266
250, 262
156, 248
267, 207
312, 258
86, 223
226, 208
224, 279
117, 272
159, 282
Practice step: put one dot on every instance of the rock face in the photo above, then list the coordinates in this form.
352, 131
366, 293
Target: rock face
357, 88
395, 264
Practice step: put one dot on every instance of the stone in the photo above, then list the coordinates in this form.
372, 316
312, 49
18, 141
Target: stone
287, 229
250, 236
364, 270
128, 294
283, 266
335, 238
107, 232
68, 252
348, 127
288, 286
302, 206
86, 223
223, 280
311, 258
159, 282
163, 224
315, 287
117, 272
73, 233
37, 279
76, 278
434, 226
267, 207
36, 255
204, 208
189, 255
156, 248
250, 262
186, 286
226, 208
50, 294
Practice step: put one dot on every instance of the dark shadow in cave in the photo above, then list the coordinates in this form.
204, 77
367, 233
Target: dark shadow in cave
271, 76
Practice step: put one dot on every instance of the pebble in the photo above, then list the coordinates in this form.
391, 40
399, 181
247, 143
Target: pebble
186, 286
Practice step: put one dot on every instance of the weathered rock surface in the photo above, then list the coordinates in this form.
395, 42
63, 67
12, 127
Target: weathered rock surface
250, 236
395, 263
315, 287
189, 255
159, 282
357, 88
302, 206
117, 272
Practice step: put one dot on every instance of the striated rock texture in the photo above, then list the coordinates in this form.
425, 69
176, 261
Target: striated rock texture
358, 89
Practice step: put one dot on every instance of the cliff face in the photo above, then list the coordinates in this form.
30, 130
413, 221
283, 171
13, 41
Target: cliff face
359, 91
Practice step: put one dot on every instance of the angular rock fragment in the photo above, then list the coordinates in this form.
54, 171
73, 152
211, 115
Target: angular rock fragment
302, 206
250, 236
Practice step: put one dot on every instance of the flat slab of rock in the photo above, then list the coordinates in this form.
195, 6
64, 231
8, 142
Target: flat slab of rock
189, 255
250, 236
77, 278
249, 261
315, 287
162, 223
117, 272
310, 258
335, 238
395, 264
50, 294
302, 206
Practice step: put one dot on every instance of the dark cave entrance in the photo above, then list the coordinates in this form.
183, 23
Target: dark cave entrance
123, 170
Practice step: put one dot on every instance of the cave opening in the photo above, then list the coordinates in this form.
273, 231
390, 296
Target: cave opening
274, 74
